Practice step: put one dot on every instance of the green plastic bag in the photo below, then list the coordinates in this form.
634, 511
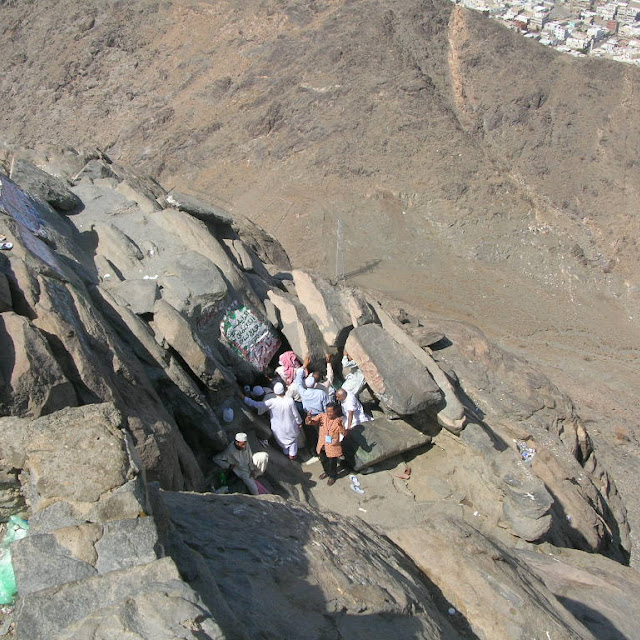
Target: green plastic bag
16, 530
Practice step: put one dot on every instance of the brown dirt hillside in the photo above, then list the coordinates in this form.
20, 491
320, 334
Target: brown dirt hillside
477, 174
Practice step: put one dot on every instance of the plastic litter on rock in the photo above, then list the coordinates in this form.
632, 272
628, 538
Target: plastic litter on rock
16, 530
526, 452
355, 484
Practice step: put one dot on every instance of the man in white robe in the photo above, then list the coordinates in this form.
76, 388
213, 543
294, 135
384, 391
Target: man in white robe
285, 419
352, 409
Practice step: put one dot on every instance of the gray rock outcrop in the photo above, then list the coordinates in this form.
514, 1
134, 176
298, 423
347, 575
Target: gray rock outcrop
402, 384
491, 588
122, 353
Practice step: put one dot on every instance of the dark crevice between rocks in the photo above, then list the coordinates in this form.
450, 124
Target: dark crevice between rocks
563, 534
20, 304
70, 370
594, 620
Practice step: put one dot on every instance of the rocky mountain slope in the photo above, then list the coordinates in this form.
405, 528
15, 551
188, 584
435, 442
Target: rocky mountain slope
118, 363
476, 174
414, 107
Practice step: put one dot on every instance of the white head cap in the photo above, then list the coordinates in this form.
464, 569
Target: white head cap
309, 382
241, 437
278, 389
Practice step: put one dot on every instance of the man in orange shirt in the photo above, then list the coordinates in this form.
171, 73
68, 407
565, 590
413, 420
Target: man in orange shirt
330, 437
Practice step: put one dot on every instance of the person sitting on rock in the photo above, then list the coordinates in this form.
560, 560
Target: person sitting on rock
285, 419
314, 401
330, 436
352, 409
238, 458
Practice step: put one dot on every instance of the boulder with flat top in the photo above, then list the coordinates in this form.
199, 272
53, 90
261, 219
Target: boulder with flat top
197, 208
374, 441
399, 381
47, 187
137, 294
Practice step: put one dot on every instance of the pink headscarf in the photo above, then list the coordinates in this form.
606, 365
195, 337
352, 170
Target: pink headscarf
289, 361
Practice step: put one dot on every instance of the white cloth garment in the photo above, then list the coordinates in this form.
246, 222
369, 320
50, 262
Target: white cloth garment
351, 403
285, 420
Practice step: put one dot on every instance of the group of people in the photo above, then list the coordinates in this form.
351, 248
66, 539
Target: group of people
301, 396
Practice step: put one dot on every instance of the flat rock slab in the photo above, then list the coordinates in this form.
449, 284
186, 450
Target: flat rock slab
114, 597
126, 543
198, 208
192, 284
40, 562
138, 294
394, 375
63, 459
379, 439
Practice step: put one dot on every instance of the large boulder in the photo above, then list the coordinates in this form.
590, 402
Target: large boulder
398, 380
59, 456
325, 305
138, 294
198, 208
47, 187
298, 327
192, 284
200, 358
119, 249
292, 580
379, 439
452, 414
195, 235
